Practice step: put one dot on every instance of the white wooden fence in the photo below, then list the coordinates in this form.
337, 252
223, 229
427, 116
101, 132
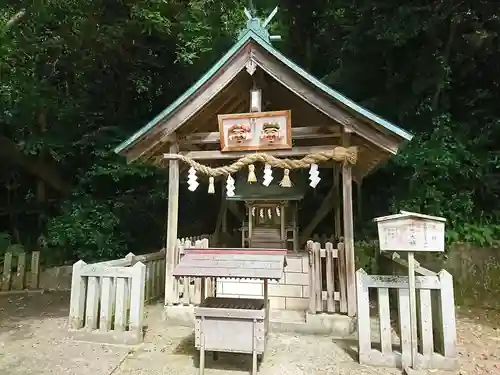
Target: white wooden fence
187, 291
327, 278
436, 328
107, 298
17, 275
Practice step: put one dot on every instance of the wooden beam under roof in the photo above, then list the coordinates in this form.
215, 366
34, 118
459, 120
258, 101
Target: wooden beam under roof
313, 132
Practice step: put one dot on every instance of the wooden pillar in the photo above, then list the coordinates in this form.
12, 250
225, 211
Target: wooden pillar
348, 229
172, 224
337, 208
282, 222
224, 218
295, 227
250, 225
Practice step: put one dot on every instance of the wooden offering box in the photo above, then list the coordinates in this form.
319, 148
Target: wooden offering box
231, 325
236, 325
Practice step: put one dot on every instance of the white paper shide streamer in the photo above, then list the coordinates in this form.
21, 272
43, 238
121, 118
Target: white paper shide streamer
314, 176
230, 186
192, 179
268, 175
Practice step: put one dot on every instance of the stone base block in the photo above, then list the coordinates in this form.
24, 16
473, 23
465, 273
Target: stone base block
319, 324
331, 324
179, 315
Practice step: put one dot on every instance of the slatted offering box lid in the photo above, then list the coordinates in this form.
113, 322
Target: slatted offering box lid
410, 231
232, 263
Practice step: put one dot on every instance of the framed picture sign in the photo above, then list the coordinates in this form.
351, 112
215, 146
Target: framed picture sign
255, 131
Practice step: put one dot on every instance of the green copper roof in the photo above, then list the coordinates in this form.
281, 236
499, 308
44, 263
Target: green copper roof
257, 33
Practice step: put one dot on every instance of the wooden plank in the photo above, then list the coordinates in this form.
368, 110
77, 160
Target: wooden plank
313, 132
312, 278
242, 253
107, 302
425, 323
229, 273
404, 326
7, 271
318, 282
35, 270
219, 155
337, 207
137, 299
330, 278
18, 282
172, 222
92, 304
446, 308
401, 282
395, 257
77, 298
342, 278
385, 320
186, 290
310, 95
348, 231
122, 288
91, 270
363, 312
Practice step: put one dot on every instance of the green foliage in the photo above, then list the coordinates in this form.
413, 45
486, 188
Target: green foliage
77, 77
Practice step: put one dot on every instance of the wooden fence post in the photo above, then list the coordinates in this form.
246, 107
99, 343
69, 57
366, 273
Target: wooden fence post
18, 283
446, 326
312, 288
77, 299
35, 269
137, 299
363, 313
7, 270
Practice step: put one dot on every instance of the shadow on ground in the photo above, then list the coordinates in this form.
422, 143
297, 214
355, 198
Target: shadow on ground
214, 361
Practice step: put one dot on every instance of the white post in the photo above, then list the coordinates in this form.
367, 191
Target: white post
413, 308
77, 299
137, 298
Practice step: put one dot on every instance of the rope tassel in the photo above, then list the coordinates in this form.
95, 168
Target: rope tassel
286, 182
211, 186
251, 174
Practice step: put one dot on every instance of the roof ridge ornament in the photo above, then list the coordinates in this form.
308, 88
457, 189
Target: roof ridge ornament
255, 24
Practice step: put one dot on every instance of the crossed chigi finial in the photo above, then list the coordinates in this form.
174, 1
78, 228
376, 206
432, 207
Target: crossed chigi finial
253, 21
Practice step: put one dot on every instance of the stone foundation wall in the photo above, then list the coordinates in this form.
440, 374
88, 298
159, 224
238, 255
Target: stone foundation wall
291, 293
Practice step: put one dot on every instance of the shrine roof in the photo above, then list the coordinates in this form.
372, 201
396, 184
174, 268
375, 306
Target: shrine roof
255, 36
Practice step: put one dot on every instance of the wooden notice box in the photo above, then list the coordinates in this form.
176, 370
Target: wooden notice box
409, 231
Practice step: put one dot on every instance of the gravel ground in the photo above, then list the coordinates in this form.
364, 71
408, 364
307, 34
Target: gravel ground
33, 341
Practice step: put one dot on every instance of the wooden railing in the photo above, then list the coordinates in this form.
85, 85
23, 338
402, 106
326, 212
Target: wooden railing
436, 325
327, 278
187, 291
107, 298
17, 275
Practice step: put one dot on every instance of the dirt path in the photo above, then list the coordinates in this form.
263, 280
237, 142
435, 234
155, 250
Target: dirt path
33, 341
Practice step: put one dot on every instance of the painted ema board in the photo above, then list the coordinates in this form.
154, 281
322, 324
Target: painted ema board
409, 231
255, 131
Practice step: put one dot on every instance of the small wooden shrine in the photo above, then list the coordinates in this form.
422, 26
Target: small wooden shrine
263, 127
